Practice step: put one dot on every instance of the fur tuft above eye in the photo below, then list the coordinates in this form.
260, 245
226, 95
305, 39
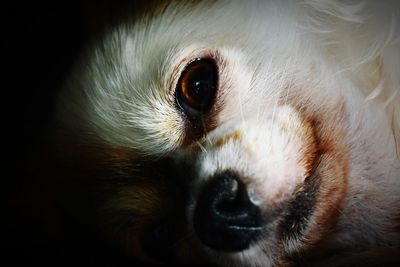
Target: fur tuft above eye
196, 88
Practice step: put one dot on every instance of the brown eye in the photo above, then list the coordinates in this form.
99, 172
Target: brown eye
196, 87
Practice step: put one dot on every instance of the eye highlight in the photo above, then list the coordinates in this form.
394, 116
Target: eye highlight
197, 86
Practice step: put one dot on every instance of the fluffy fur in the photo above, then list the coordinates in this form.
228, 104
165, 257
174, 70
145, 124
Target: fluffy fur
306, 89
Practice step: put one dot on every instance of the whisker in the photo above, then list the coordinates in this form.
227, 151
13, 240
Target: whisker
208, 139
287, 93
273, 118
206, 134
122, 111
121, 100
202, 147
239, 98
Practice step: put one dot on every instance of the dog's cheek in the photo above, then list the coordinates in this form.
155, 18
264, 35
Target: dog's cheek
334, 170
145, 216
116, 193
325, 190
135, 216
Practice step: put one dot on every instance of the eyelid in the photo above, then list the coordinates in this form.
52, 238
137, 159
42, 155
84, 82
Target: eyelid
182, 62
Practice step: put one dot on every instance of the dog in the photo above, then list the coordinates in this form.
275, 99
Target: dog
240, 133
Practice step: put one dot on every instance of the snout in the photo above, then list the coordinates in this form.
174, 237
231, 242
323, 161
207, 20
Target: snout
247, 174
225, 218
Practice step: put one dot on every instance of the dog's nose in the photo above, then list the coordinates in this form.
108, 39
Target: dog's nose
225, 219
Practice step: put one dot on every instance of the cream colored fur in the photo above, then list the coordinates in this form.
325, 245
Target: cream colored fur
336, 60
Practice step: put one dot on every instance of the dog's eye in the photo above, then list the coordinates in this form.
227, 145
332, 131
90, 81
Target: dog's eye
196, 88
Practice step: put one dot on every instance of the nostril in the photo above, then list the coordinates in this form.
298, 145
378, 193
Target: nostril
223, 196
225, 218
229, 201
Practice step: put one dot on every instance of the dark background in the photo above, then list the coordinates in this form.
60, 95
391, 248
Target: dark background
42, 41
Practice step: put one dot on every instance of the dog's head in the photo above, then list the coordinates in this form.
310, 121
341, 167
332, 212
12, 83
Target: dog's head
223, 132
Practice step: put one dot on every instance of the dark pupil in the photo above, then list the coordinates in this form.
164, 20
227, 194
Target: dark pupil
201, 88
196, 87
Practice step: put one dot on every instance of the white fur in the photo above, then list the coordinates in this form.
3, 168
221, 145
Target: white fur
328, 51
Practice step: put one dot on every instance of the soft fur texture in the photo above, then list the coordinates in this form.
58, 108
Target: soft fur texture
306, 89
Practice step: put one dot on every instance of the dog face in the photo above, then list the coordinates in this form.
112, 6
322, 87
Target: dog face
227, 133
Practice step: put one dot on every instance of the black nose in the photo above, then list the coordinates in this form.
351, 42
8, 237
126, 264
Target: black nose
225, 219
